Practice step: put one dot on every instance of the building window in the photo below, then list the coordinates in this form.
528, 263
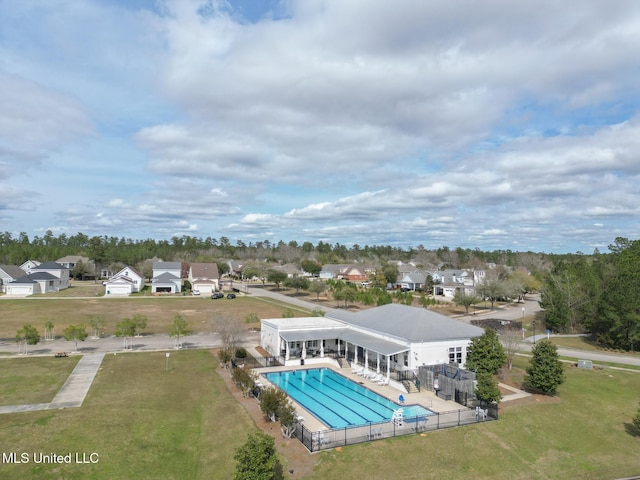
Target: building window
455, 355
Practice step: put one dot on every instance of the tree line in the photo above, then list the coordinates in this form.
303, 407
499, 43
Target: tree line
106, 250
597, 294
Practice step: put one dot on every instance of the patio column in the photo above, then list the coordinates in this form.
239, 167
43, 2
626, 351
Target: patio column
288, 352
304, 349
322, 348
339, 349
378, 362
355, 354
366, 358
388, 366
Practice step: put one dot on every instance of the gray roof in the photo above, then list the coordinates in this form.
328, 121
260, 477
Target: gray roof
375, 344
34, 277
165, 277
13, 271
50, 266
409, 323
167, 266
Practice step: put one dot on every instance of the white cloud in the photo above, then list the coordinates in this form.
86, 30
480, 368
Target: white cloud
490, 125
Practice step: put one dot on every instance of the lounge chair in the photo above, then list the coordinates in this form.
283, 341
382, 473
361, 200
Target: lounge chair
376, 378
384, 381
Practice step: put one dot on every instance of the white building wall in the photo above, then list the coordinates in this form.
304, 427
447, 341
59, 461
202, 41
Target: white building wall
270, 338
436, 352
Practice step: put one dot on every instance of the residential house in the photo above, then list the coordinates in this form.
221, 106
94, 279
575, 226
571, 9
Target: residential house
448, 282
125, 282
29, 264
9, 273
204, 277
414, 280
290, 269
44, 278
166, 277
332, 271
386, 338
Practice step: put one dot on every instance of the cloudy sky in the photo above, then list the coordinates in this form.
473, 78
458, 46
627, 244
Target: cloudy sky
491, 125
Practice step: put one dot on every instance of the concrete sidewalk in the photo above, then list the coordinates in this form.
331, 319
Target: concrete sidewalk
75, 389
72, 393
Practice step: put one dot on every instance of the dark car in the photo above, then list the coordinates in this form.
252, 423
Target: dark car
217, 295
231, 295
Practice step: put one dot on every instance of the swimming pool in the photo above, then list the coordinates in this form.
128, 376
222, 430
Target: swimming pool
337, 401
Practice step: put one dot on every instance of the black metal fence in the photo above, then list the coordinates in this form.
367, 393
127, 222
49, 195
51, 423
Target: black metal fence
326, 439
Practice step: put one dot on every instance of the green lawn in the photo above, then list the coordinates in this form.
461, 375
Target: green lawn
586, 434
33, 380
145, 423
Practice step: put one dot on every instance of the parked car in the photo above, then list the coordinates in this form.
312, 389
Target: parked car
217, 295
231, 295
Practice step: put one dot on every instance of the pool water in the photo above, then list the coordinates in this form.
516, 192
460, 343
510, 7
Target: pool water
337, 401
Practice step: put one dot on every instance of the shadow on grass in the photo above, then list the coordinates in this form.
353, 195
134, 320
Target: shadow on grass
631, 429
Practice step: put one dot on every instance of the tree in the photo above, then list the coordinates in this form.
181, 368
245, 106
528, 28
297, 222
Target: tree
276, 276
179, 328
311, 266
125, 329
510, 339
545, 372
485, 353
230, 330
49, 330
288, 418
27, 335
257, 459
252, 318
271, 400
97, 322
318, 287
636, 419
492, 288
462, 300
140, 322
390, 272
487, 389
81, 270
73, 333
297, 283
245, 379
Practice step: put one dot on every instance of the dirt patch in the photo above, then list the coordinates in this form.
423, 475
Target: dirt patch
294, 455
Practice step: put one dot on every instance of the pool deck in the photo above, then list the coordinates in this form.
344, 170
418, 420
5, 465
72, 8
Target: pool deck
425, 398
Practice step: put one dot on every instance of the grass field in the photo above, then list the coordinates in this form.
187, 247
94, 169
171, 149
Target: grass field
142, 422
33, 380
199, 311
146, 423
586, 433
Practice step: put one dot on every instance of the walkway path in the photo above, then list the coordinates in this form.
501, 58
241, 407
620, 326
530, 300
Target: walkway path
72, 393
513, 396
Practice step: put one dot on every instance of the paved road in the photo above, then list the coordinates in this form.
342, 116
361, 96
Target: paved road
138, 344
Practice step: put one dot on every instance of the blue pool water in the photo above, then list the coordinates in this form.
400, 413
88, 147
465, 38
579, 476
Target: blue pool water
337, 401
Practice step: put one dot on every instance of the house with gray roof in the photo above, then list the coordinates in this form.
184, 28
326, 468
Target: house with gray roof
44, 278
392, 337
167, 277
9, 273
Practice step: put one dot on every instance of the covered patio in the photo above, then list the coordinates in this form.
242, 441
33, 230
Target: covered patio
358, 348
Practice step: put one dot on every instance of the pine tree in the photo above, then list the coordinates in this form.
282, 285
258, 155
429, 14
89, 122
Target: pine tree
487, 389
545, 372
486, 353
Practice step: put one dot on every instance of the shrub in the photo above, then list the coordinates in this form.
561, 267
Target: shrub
241, 352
